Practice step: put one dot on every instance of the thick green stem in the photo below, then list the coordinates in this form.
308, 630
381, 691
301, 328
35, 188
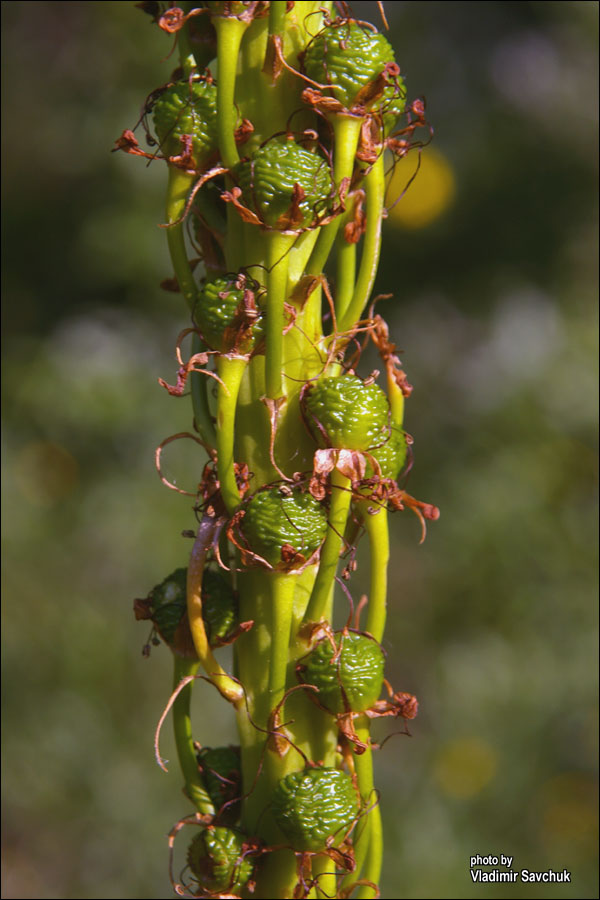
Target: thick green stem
377, 528
346, 132
375, 191
279, 245
182, 726
346, 275
230, 32
230, 370
367, 839
375, 857
341, 495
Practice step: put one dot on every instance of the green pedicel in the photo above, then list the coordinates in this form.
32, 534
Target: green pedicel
353, 681
315, 808
345, 413
215, 856
274, 518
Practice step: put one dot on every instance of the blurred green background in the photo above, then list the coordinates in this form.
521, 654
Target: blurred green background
491, 257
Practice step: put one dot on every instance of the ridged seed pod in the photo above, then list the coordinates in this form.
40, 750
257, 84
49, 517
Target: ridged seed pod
221, 771
223, 318
274, 518
391, 456
315, 808
268, 182
215, 858
348, 57
168, 608
353, 680
185, 108
345, 413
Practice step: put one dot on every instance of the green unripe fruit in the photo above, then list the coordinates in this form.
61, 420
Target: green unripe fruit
222, 318
168, 609
274, 518
214, 857
315, 808
350, 682
349, 57
219, 607
221, 771
391, 456
268, 181
345, 413
168, 604
186, 108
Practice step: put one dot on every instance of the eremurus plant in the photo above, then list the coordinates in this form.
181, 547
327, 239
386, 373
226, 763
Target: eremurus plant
276, 131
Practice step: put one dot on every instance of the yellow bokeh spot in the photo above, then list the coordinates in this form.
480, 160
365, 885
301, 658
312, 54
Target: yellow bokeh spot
45, 472
465, 766
427, 196
569, 810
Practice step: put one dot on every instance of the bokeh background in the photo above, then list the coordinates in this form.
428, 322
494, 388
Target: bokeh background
491, 257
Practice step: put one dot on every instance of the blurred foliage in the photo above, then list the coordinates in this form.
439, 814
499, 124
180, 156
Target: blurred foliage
492, 620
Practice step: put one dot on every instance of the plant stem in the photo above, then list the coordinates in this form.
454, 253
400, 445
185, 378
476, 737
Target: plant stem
375, 191
278, 244
230, 32
341, 495
377, 528
230, 370
346, 131
182, 726
227, 687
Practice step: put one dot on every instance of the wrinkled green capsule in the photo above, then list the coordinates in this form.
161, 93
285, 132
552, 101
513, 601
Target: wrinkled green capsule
221, 771
274, 518
315, 808
224, 320
215, 856
185, 108
168, 604
345, 413
219, 607
349, 57
268, 181
391, 456
168, 608
352, 681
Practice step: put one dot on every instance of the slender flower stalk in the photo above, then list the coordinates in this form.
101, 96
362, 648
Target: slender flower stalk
277, 130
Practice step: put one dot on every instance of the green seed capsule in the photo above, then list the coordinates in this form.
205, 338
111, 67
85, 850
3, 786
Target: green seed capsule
168, 607
219, 607
274, 518
221, 770
185, 108
168, 604
215, 858
350, 682
269, 178
349, 57
224, 320
315, 808
391, 456
345, 413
